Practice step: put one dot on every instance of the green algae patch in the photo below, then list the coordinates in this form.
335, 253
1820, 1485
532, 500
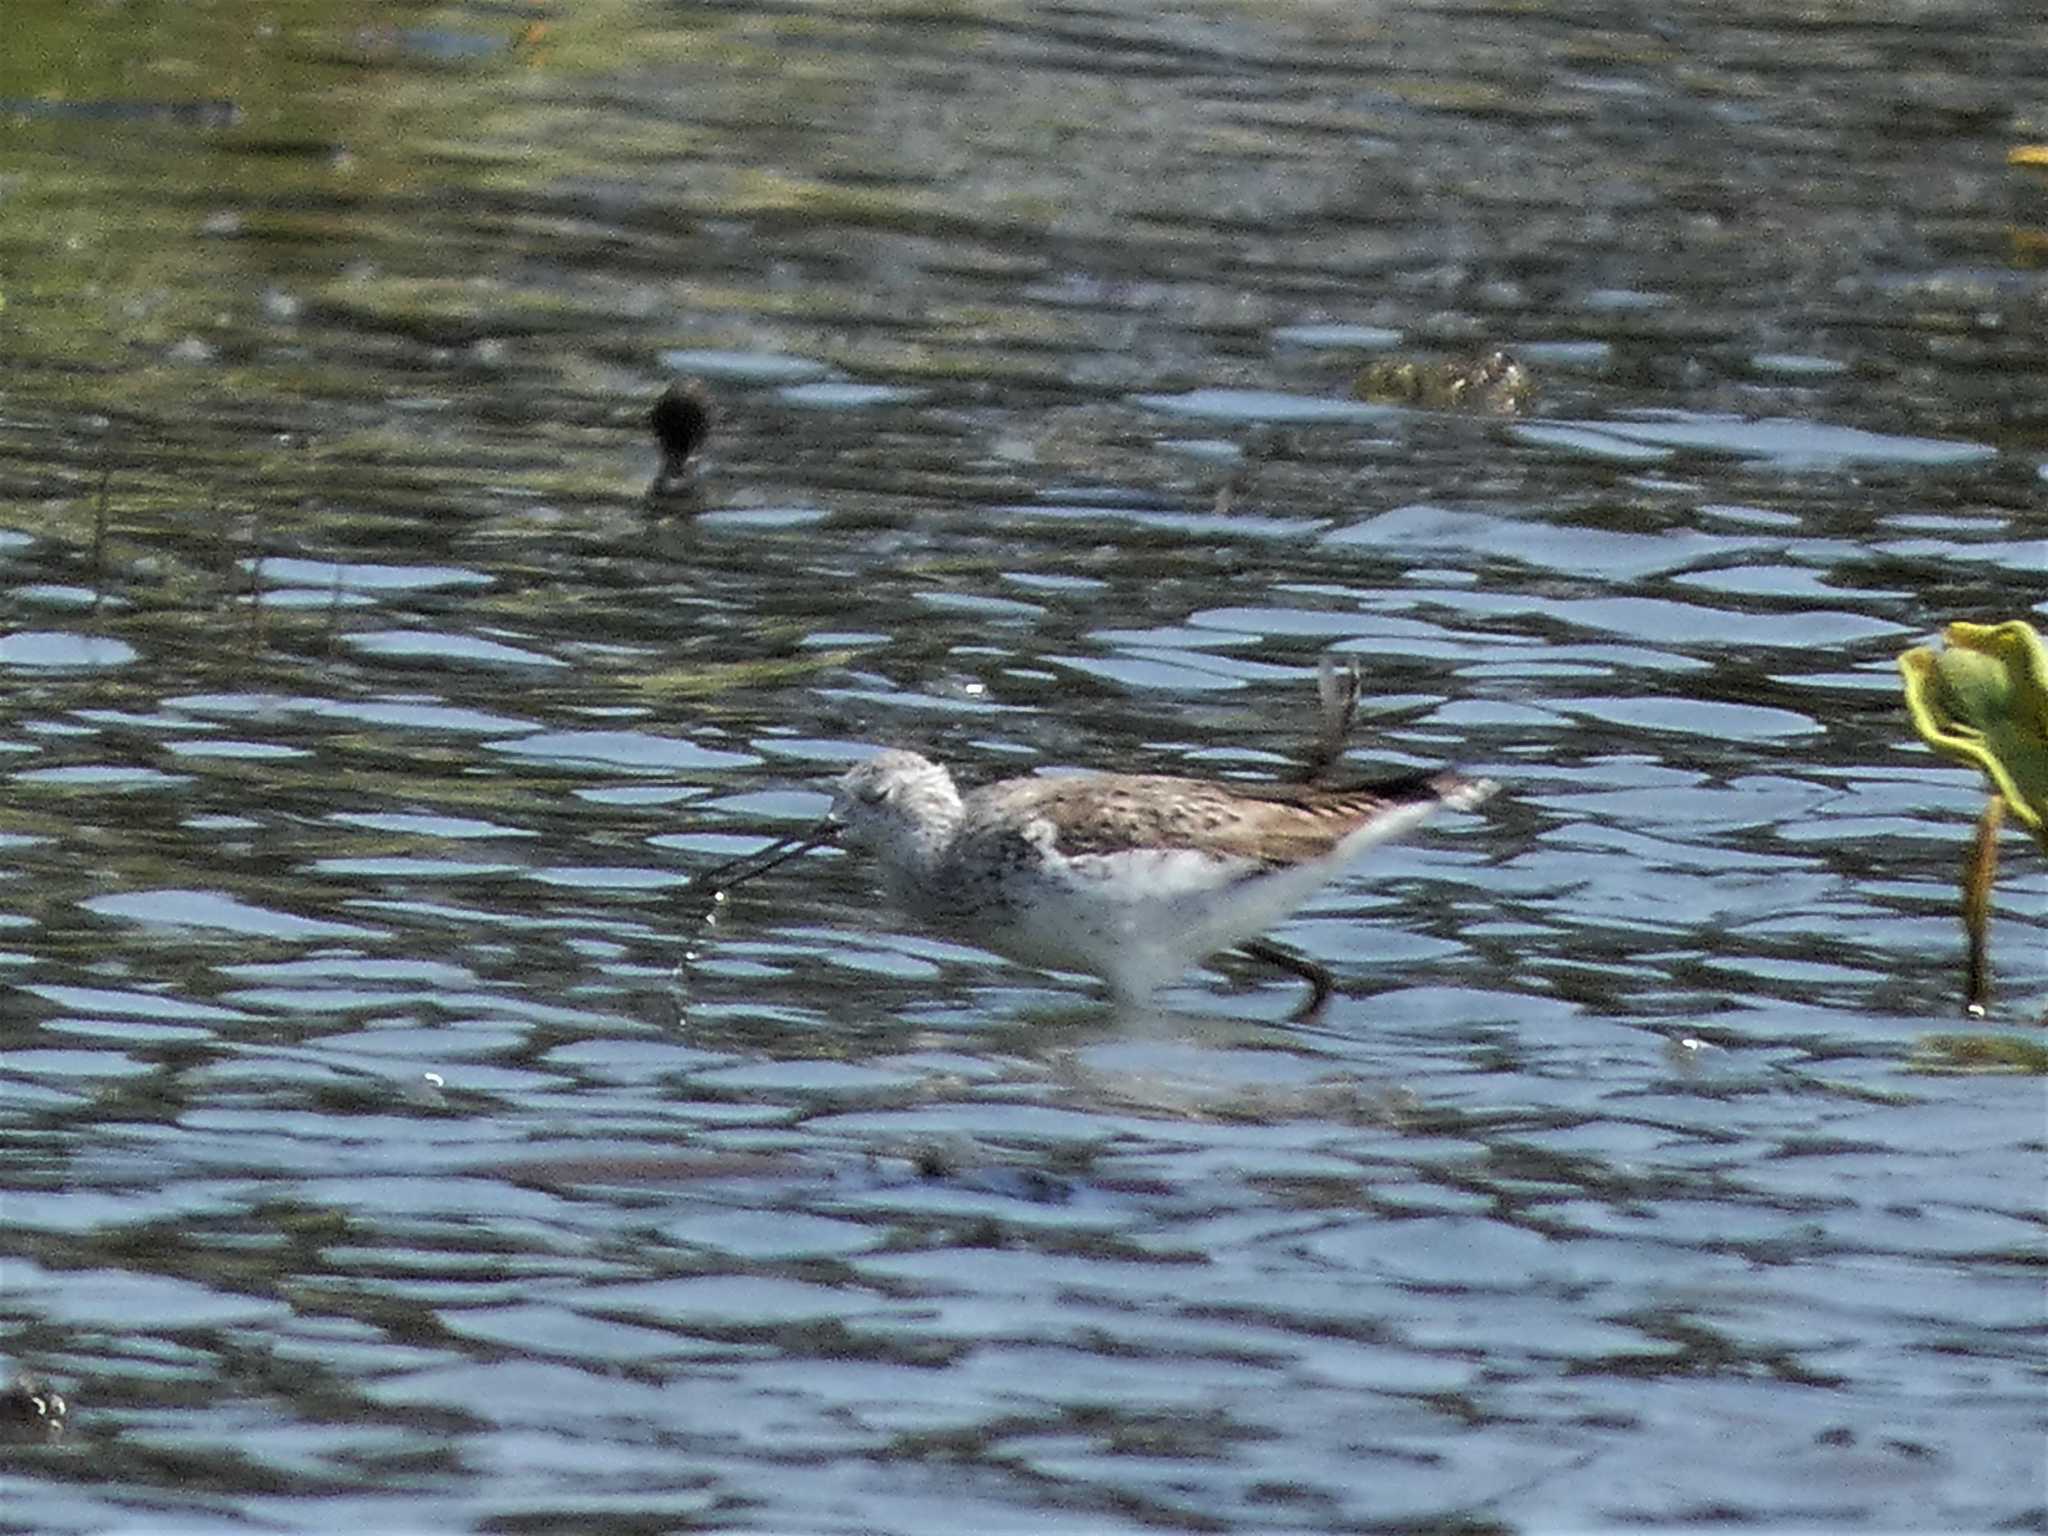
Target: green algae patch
1993, 1055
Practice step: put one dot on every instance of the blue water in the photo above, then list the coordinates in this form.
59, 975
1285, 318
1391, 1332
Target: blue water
391, 1138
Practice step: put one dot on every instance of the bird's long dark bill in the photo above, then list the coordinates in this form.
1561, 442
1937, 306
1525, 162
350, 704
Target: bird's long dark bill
724, 877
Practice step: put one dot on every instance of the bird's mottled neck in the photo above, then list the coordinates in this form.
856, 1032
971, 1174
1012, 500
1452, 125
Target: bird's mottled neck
924, 817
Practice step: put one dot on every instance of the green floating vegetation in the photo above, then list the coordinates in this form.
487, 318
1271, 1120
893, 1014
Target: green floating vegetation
711, 678
2000, 1055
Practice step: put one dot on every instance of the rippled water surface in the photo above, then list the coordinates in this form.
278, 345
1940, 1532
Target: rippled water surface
389, 1141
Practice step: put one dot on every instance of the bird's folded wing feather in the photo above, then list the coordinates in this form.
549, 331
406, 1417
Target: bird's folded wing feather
1271, 825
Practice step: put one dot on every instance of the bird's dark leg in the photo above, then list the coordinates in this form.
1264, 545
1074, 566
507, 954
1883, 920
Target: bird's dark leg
1320, 982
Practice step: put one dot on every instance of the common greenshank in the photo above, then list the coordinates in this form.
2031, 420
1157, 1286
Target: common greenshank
1133, 877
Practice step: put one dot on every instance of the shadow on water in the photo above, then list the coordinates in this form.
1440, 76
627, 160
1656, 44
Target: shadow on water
384, 1136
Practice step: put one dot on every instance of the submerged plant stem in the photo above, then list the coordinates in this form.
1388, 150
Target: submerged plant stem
1980, 867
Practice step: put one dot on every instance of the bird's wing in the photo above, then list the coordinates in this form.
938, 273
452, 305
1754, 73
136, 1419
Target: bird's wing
1270, 825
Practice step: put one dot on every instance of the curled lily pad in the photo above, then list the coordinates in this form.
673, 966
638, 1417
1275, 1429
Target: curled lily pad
1983, 699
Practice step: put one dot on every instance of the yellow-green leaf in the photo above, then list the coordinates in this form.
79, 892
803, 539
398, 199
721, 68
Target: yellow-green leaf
1983, 699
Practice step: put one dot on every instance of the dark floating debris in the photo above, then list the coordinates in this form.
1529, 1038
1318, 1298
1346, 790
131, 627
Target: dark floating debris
28, 1407
681, 419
